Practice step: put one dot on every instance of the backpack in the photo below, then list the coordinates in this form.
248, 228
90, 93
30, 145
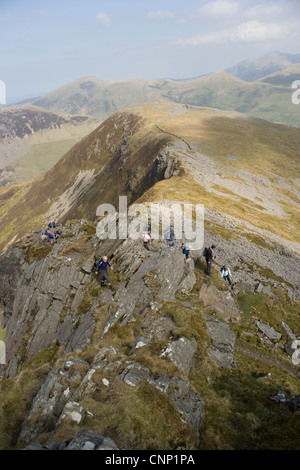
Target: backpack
205, 252
221, 269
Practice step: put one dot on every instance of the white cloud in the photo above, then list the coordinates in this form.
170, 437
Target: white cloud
251, 31
219, 8
267, 11
103, 19
159, 15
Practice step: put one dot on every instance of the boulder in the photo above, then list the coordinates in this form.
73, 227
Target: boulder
268, 330
181, 353
221, 350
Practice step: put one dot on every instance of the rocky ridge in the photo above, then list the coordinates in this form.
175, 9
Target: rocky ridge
51, 298
150, 361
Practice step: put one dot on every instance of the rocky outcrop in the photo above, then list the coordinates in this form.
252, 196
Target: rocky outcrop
51, 296
221, 350
84, 440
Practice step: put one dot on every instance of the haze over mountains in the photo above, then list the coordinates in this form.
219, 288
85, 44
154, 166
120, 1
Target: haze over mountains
53, 123
243, 88
254, 69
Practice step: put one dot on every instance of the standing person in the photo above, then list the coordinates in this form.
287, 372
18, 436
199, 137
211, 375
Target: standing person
146, 240
103, 264
208, 253
226, 274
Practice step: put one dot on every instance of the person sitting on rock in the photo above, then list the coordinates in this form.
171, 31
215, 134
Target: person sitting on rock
170, 237
49, 234
187, 252
226, 274
103, 264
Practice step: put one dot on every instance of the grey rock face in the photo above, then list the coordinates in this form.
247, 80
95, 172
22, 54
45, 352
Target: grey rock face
189, 404
267, 330
181, 352
153, 279
221, 302
221, 350
84, 440
54, 398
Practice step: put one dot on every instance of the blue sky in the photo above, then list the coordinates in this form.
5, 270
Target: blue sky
45, 44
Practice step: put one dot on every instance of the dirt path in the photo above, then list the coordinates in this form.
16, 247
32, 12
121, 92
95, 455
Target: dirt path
267, 360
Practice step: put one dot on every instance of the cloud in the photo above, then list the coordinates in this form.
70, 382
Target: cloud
219, 8
268, 10
251, 31
103, 19
159, 15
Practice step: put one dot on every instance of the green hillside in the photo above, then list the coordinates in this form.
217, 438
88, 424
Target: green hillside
222, 90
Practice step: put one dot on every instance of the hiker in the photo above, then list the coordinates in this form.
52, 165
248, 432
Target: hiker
49, 234
147, 229
57, 233
102, 264
187, 252
146, 240
226, 274
170, 237
44, 238
208, 253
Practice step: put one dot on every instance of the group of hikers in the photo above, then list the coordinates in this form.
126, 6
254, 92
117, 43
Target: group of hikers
52, 233
187, 251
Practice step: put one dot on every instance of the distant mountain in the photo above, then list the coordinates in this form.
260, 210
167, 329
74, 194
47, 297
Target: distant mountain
223, 90
254, 69
32, 139
98, 98
284, 77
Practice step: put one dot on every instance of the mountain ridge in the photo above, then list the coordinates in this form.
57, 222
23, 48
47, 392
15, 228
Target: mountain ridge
100, 98
167, 357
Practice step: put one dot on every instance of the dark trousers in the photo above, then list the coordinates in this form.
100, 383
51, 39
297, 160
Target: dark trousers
104, 276
208, 267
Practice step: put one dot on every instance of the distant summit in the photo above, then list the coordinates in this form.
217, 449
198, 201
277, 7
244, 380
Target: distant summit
254, 69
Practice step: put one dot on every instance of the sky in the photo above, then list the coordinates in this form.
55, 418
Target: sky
45, 44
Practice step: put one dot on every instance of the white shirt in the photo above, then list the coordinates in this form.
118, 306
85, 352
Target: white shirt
225, 272
146, 237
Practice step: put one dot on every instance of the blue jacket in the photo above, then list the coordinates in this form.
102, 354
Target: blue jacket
103, 265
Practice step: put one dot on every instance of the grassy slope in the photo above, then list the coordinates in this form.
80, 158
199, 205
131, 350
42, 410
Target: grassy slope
262, 149
221, 90
53, 136
24, 206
